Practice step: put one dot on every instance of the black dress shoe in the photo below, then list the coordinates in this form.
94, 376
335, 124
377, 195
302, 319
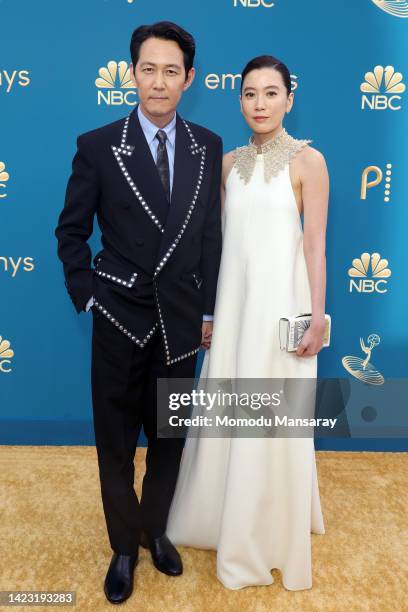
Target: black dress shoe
164, 555
119, 579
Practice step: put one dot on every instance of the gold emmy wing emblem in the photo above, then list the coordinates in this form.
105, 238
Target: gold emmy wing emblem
385, 78
4, 177
362, 369
398, 8
6, 353
109, 74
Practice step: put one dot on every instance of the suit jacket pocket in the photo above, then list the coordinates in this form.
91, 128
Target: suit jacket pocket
115, 274
194, 278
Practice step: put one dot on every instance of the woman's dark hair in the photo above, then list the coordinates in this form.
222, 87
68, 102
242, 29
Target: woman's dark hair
167, 31
268, 61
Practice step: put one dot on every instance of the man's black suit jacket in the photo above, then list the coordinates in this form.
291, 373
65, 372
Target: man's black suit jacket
158, 267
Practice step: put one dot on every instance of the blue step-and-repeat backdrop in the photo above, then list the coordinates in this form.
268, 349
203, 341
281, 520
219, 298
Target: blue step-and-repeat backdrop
63, 72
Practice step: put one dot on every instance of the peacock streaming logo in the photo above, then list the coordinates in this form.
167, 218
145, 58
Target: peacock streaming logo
372, 176
6, 354
398, 8
369, 274
382, 88
115, 86
4, 177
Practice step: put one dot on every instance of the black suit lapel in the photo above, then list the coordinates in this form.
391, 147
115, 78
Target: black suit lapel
189, 167
186, 168
140, 171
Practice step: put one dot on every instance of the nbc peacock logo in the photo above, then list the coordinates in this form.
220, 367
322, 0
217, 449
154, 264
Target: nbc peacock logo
382, 88
398, 8
115, 86
6, 353
369, 274
4, 177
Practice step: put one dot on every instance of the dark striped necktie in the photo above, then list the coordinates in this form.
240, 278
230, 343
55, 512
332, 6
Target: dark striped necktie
162, 162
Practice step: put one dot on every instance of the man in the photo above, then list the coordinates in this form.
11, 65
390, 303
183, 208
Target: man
153, 180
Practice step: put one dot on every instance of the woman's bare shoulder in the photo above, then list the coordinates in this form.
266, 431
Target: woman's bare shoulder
309, 157
227, 163
228, 159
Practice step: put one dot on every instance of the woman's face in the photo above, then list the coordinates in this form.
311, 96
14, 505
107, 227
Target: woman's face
264, 100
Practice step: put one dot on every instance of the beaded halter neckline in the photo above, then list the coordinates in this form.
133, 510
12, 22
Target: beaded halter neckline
276, 153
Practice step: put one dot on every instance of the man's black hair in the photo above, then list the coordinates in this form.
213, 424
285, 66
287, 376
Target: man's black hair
167, 31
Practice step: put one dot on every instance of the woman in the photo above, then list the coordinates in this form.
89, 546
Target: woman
256, 500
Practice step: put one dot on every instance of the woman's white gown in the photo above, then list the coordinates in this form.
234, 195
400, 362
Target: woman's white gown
254, 500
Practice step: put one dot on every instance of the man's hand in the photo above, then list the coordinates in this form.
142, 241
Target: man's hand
206, 334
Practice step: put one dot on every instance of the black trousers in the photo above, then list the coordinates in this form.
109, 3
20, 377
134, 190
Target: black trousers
124, 398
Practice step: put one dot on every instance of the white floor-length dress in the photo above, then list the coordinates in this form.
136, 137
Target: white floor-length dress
254, 500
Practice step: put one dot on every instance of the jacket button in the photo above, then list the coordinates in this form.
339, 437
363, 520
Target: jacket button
139, 241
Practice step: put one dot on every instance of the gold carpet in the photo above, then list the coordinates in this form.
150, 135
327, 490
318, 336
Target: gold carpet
53, 537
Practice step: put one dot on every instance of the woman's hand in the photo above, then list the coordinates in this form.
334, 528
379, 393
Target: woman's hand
312, 340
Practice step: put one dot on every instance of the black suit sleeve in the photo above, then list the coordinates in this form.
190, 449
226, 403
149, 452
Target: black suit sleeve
75, 226
212, 237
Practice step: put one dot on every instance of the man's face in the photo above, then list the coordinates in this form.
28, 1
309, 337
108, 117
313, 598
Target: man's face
160, 77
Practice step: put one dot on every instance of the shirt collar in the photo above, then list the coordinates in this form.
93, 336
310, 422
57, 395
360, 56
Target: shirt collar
150, 130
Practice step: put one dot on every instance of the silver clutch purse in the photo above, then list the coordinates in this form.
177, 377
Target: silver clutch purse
292, 328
